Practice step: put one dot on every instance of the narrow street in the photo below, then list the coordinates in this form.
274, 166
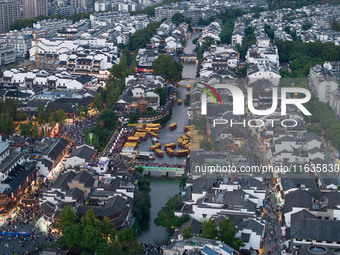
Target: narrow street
273, 243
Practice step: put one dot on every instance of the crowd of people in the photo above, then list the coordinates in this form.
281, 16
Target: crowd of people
77, 131
153, 164
19, 235
273, 221
153, 249
117, 143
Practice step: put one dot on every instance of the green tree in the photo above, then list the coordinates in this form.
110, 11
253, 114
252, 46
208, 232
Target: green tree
113, 249
51, 120
6, 123
67, 217
107, 228
166, 216
110, 101
307, 26
209, 229
178, 18
92, 240
25, 129
167, 66
142, 37
72, 235
109, 118
126, 238
269, 31
227, 232
41, 115
162, 95
98, 103
142, 203
60, 116
187, 232
133, 117
335, 25
90, 219
35, 131
10, 107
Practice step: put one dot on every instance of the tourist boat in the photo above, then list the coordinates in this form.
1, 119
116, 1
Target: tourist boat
153, 125
188, 86
145, 156
172, 126
142, 135
155, 146
179, 101
134, 139
182, 153
154, 140
159, 153
154, 130
170, 145
131, 145
170, 152
187, 93
188, 128
153, 134
180, 141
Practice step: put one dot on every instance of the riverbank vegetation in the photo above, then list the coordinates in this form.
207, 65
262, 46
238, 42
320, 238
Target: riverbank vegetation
142, 37
165, 65
90, 235
166, 216
142, 202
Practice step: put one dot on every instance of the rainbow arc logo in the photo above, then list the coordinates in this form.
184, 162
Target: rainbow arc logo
210, 94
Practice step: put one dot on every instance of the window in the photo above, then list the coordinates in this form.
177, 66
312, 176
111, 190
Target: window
204, 216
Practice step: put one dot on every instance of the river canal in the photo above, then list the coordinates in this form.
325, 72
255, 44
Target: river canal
189, 69
164, 188
161, 190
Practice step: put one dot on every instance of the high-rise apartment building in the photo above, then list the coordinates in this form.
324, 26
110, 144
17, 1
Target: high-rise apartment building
83, 4
9, 13
34, 8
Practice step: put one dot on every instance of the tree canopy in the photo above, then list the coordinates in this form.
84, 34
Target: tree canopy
142, 37
6, 123
302, 56
187, 232
227, 232
335, 26
167, 66
209, 229
179, 18
166, 216
90, 235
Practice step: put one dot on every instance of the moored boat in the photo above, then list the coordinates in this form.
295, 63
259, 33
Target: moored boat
145, 156
155, 146
159, 153
170, 145
172, 126
182, 153
153, 134
170, 152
